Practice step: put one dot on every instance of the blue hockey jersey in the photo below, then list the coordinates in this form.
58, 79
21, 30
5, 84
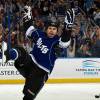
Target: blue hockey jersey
43, 52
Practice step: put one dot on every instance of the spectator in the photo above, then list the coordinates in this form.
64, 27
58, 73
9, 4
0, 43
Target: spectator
96, 46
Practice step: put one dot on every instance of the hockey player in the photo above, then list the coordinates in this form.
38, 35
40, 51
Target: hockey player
36, 66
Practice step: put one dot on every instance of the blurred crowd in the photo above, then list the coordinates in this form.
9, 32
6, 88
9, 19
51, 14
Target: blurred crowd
85, 37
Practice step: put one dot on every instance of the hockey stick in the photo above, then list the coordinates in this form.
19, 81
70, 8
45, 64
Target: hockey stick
5, 45
9, 32
2, 48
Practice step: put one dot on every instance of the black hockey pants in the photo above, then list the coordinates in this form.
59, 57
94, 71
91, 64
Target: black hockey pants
34, 76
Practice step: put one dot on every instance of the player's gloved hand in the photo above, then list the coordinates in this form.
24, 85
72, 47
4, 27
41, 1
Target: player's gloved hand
69, 18
27, 17
26, 13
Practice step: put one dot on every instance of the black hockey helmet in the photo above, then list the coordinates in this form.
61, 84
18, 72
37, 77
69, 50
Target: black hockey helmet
52, 23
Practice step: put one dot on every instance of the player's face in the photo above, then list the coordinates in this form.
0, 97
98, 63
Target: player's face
51, 31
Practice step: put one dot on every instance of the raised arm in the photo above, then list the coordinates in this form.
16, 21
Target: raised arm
28, 26
68, 24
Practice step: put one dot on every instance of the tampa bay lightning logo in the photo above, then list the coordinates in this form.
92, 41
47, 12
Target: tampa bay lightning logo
90, 64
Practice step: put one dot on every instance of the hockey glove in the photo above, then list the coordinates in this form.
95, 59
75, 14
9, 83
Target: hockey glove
68, 24
26, 13
69, 19
27, 17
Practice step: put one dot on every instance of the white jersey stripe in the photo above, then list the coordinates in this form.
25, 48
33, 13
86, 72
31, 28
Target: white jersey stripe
40, 66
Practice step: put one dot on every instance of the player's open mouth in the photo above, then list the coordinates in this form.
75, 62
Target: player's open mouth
51, 35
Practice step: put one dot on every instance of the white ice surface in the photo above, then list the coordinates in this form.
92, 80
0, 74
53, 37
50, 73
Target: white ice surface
81, 91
